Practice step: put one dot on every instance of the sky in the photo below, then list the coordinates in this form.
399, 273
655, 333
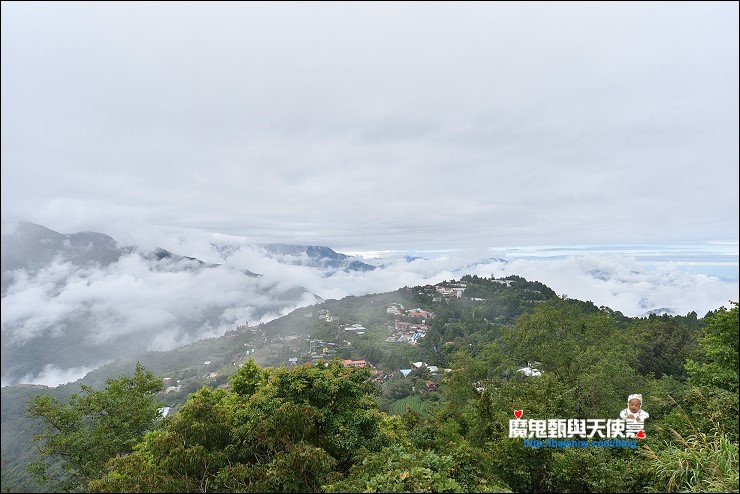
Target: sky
374, 126
589, 146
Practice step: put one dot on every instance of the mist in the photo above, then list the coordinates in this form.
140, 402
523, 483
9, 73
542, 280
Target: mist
63, 320
64, 317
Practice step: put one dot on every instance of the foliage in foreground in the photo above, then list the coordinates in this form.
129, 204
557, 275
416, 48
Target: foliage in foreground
318, 427
87, 430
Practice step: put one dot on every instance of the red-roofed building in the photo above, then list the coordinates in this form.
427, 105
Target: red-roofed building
355, 363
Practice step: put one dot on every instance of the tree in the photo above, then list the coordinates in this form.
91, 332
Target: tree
398, 469
86, 431
286, 430
702, 452
719, 348
248, 378
663, 343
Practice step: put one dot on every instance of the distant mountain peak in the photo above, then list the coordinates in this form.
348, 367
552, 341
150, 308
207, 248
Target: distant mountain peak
31, 246
317, 256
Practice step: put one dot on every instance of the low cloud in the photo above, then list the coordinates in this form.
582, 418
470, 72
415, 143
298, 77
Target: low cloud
65, 313
70, 318
631, 284
53, 376
625, 284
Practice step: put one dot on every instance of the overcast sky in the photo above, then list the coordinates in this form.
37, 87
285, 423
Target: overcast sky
375, 125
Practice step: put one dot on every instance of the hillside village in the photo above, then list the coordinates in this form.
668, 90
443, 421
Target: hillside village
334, 336
331, 331
385, 333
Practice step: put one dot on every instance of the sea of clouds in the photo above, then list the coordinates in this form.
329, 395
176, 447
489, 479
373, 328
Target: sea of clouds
138, 304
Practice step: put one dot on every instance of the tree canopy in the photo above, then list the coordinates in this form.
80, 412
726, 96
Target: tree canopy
86, 430
319, 426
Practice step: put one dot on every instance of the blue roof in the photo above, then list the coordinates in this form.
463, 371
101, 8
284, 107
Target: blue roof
405, 372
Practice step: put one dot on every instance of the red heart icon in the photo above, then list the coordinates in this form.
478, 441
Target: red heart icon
518, 413
640, 434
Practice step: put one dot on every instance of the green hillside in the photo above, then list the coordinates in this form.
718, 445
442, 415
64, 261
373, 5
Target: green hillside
441, 425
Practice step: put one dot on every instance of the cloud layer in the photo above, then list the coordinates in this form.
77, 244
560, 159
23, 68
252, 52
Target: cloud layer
66, 314
451, 131
375, 126
96, 314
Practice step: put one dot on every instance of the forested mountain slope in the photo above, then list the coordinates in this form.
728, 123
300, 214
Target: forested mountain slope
290, 415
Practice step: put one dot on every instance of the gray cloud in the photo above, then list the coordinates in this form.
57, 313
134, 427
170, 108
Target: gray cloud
90, 315
454, 127
64, 313
375, 126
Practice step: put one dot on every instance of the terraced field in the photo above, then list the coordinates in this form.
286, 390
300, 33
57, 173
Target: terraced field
414, 402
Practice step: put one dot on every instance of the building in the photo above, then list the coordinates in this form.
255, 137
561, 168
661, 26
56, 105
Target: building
530, 372
355, 363
355, 328
418, 313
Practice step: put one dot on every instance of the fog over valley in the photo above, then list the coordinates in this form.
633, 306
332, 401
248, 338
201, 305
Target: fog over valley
64, 314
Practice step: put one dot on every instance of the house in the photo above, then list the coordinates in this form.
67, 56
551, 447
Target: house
430, 386
405, 372
355, 328
453, 291
314, 345
355, 363
293, 361
213, 374
164, 411
529, 371
418, 313
379, 376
